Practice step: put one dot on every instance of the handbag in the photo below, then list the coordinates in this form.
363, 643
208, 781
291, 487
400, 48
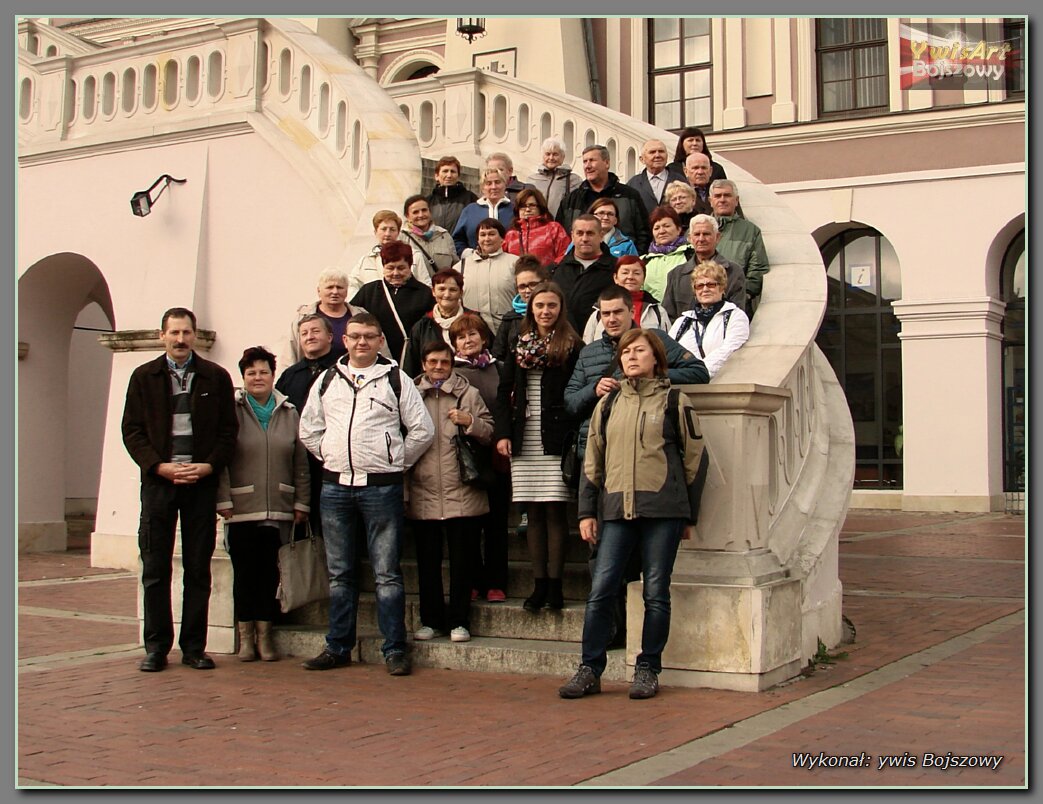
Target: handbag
570, 463
303, 577
473, 460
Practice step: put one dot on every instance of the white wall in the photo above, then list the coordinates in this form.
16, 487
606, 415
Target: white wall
90, 365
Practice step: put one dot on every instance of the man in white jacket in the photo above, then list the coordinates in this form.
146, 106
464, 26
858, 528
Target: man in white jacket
367, 423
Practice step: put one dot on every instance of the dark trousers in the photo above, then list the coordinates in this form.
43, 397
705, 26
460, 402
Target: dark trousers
489, 570
161, 507
619, 609
462, 535
254, 550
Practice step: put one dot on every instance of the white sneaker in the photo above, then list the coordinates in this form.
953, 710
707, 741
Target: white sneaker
460, 634
426, 632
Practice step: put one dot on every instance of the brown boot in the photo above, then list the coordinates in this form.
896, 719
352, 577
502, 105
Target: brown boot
247, 649
265, 644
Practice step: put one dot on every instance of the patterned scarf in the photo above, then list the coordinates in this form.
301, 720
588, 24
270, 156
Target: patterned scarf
667, 248
426, 235
481, 360
704, 314
531, 351
445, 323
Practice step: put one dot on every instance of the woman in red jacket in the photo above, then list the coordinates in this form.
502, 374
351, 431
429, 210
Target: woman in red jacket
535, 231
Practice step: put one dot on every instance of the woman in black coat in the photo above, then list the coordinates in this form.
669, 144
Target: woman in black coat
531, 426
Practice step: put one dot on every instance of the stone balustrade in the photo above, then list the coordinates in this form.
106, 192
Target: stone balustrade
317, 108
471, 113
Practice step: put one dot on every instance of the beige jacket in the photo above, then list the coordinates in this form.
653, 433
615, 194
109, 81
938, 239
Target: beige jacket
268, 476
435, 490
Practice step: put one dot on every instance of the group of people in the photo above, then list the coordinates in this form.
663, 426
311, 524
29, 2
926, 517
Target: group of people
519, 326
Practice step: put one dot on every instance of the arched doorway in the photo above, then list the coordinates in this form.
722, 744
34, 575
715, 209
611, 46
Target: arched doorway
1012, 288
859, 336
63, 385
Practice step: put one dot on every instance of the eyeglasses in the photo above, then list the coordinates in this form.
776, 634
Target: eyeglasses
604, 213
531, 205
355, 337
704, 285
528, 285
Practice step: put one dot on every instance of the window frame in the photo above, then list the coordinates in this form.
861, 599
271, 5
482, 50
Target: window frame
681, 69
851, 47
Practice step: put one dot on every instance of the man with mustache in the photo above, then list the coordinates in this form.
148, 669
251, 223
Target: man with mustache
179, 426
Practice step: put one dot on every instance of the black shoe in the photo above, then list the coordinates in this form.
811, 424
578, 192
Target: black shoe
534, 602
555, 599
327, 661
198, 661
153, 662
583, 683
398, 664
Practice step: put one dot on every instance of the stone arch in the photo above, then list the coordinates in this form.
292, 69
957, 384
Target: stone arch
997, 249
401, 67
63, 379
859, 337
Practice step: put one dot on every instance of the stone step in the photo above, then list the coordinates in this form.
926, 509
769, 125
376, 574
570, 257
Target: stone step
508, 619
575, 583
576, 550
481, 654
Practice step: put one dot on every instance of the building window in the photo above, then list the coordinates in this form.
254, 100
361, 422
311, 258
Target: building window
859, 336
1014, 74
852, 65
679, 72
1012, 283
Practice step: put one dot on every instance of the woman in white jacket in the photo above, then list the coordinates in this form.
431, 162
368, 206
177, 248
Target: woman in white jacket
713, 328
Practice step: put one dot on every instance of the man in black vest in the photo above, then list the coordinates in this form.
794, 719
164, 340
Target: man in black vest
179, 426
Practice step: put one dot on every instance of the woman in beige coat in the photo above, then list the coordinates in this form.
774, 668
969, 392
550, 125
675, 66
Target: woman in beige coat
439, 501
261, 494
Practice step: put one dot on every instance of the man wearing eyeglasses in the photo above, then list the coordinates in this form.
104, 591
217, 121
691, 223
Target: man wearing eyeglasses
703, 235
368, 427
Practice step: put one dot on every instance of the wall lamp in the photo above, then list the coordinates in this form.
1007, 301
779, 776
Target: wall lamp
141, 202
470, 27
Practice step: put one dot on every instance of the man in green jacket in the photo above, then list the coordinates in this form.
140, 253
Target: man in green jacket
741, 240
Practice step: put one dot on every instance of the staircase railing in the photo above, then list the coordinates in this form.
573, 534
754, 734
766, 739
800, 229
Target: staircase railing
320, 110
775, 417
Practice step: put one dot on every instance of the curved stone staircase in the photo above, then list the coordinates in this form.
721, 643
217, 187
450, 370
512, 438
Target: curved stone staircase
775, 419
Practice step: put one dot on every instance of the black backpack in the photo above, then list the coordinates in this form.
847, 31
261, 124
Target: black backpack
394, 379
672, 413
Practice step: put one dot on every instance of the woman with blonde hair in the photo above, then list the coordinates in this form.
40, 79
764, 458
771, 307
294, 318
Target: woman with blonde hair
713, 328
387, 227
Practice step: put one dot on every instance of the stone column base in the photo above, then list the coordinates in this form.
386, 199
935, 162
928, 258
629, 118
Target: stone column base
42, 537
726, 636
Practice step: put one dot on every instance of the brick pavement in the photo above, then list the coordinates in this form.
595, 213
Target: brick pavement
101, 722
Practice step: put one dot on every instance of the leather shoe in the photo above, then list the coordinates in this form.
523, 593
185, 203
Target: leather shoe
198, 661
153, 662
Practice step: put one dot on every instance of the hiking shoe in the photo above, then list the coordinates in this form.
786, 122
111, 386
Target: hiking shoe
583, 683
327, 660
398, 664
495, 596
426, 632
460, 634
645, 683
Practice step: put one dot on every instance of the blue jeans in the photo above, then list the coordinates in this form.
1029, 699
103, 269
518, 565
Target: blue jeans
658, 540
380, 510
